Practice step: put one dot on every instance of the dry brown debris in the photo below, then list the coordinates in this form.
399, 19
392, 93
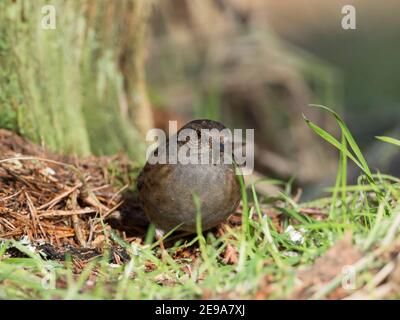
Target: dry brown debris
342, 254
59, 201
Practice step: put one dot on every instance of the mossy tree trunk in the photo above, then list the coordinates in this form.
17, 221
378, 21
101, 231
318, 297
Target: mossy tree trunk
78, 88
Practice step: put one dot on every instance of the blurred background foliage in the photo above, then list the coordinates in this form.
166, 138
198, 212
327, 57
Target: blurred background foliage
219, 59
368, 59
113, 69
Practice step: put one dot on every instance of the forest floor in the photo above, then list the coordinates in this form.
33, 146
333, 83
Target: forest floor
71, 228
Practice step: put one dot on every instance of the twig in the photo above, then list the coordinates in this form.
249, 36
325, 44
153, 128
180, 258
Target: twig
35, 220
312, 211
92, 200
10, 234
101, 187
73, 204
11, 196
16, 176
112, 210
60, 213
91, 232
8, 223
117, 193
58, 198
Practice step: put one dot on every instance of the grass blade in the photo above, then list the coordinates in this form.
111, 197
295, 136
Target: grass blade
349, 137
389, 140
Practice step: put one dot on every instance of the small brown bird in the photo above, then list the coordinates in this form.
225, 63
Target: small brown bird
166, 191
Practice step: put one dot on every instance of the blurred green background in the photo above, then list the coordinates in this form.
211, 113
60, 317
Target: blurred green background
368, 57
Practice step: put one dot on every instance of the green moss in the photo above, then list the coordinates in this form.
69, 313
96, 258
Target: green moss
61, 86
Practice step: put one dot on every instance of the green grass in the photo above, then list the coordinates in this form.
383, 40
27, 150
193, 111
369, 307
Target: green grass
267, 260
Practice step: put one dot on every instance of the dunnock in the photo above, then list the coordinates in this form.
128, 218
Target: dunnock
167, 190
